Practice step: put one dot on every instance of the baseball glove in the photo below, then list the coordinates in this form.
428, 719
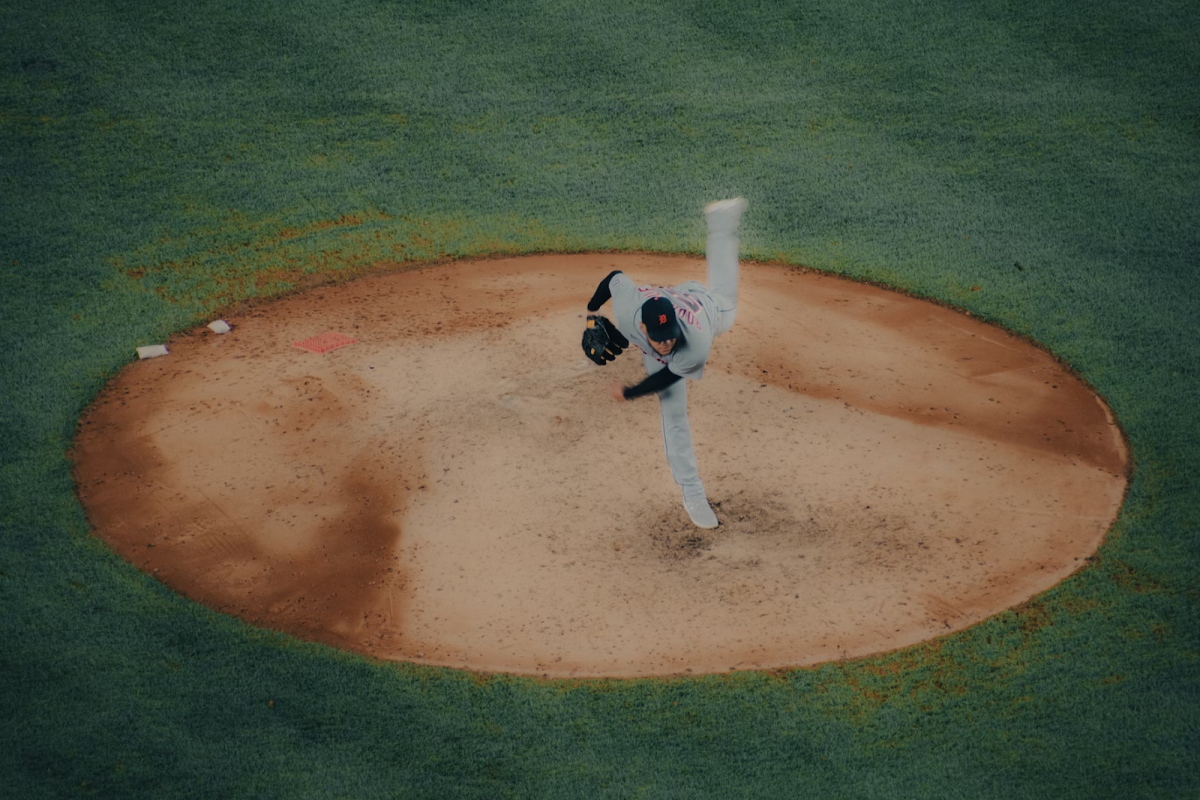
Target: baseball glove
602, 342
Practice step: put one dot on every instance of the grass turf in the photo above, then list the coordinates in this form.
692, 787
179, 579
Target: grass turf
159, 162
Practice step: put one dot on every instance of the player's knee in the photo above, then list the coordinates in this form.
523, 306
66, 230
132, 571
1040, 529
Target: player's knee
725, 321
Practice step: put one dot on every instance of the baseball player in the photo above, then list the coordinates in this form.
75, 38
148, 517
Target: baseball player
674, 327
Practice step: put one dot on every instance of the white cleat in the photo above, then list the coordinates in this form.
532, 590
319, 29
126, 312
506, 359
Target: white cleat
725, 214
700, 511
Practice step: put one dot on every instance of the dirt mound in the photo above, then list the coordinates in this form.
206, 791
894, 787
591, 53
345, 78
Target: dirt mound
458, 488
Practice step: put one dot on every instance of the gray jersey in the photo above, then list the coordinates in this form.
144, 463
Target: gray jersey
695, 309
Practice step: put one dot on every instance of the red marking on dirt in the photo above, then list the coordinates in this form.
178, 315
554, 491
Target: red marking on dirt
324, 342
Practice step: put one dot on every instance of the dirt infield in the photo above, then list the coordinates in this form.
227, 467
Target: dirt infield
458, 488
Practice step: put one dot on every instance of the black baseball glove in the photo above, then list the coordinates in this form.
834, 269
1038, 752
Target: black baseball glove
602, 342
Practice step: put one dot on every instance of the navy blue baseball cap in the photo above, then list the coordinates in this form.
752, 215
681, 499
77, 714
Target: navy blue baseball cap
658, 315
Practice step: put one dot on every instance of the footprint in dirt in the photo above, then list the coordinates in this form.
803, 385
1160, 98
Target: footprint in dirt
761, 518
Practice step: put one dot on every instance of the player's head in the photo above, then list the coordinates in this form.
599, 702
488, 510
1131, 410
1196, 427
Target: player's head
660, 324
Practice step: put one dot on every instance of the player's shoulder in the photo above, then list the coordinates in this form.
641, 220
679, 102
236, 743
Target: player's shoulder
687, 362
617, 278
622, 285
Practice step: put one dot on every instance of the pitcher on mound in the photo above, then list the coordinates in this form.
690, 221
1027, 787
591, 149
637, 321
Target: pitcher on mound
674, 327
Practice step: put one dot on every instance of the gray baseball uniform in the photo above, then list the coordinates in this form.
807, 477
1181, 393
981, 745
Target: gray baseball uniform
704, 313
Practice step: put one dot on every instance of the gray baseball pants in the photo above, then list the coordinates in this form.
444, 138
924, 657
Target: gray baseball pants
721, 253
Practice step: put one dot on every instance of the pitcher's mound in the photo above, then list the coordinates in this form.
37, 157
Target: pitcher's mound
457, 487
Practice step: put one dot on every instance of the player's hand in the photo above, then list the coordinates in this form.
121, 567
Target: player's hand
617, 391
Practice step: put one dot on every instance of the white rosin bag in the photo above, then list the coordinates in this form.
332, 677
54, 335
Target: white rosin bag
152, 351
219, 326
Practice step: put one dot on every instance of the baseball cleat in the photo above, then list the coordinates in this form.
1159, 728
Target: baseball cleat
725, 213
700, 511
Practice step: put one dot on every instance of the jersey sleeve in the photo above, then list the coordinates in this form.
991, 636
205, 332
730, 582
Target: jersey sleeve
688, 361
603, 292
627, 301
653, 383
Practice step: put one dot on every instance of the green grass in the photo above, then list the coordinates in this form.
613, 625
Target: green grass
159, 162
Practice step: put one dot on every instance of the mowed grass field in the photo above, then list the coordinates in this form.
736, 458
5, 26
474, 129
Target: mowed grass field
1035, 164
